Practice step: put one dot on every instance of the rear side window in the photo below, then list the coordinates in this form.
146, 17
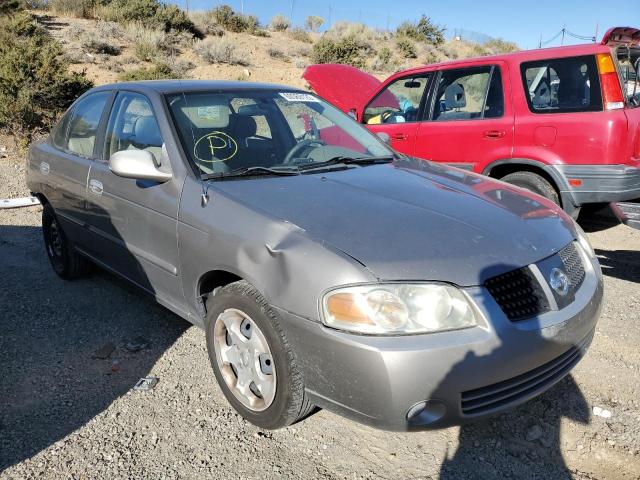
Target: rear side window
84, 124
469, 94
562, 85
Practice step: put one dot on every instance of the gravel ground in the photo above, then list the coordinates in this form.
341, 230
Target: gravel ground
64, 413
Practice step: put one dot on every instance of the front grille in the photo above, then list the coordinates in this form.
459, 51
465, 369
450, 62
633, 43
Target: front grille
573, 264
486, 399
518, 293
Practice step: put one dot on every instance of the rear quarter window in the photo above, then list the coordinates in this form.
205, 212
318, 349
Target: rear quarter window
562, 85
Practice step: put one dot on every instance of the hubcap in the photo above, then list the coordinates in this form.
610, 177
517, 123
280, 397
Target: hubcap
244, 359
55, 240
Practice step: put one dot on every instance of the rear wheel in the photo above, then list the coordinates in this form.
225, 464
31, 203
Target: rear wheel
252, 359
534, 183
65, 260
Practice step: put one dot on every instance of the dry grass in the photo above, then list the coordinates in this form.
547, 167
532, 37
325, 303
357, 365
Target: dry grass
220, 50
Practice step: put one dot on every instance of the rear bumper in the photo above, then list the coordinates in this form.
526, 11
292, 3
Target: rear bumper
448, 377
599, 183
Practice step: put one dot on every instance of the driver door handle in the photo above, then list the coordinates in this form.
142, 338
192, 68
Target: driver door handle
494, 133
399, 136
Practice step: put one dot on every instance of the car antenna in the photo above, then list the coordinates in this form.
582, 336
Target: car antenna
205, 187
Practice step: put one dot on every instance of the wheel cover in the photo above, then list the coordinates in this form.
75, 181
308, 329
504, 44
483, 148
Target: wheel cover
244, 359
55, 240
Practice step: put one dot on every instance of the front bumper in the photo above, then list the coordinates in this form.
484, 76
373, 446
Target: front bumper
496, 366
599, 183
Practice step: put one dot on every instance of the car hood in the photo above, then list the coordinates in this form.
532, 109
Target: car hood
414, 220
344, 86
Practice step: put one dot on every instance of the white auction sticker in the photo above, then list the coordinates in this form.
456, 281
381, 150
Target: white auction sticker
298, 97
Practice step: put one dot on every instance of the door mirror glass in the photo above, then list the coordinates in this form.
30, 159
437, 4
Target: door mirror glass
138, 165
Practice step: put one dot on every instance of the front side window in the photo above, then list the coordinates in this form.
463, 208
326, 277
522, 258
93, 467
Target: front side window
399, 102
133, 126
469, 94
222, 132
84, 124
562, 85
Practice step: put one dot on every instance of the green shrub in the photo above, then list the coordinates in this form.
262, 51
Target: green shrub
92, 41
423, 31
230, 20
384, 61
280, 23
347, 50
35, 84
219, 50
406, 47
277, 54
498, 45
300, 35
74, 8
151, 44
150, 13
160, 71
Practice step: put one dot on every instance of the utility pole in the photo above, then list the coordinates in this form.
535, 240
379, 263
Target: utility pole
540, 44
564, 27
291, 12
242, 7
595, 37
187, 5
329, 16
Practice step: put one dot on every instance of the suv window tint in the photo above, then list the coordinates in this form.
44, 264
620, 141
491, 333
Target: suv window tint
562, 85
133, 126
59, 134
399, 102
84, 124
629, 67
465, 95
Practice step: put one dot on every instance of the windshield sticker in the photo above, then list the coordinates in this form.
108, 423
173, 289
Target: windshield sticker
210, 113
215, 147
299, 97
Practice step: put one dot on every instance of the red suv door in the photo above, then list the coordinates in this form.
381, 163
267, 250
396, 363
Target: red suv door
469, 120
396, 110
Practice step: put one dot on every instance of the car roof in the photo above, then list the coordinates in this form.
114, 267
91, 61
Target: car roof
174, 86
522, 56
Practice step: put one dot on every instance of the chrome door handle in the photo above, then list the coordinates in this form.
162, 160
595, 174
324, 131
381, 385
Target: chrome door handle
494, 133
95, 187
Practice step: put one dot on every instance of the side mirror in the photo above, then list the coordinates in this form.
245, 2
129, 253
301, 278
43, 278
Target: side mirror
137, 164
384, 136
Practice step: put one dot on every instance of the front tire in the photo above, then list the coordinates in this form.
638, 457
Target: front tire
534, 183
252, 359
64, 258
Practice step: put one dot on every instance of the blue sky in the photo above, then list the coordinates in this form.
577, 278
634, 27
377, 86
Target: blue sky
518, 21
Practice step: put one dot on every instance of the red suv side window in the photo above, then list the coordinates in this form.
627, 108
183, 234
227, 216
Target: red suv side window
562, 85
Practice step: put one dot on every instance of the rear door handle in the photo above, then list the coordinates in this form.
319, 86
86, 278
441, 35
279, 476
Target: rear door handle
494, 133
399, 136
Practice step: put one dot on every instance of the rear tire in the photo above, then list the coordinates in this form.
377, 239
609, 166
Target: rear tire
244, 303
64, 258
534, 183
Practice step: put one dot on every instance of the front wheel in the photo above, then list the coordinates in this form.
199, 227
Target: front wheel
252, 359
534, 183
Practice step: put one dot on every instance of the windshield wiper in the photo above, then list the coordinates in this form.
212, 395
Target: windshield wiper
251, 172
343, 160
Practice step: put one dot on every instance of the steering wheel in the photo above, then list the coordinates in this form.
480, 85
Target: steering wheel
390, 114
301, 146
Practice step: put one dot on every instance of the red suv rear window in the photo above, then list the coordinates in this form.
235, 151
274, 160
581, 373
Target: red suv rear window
562, 85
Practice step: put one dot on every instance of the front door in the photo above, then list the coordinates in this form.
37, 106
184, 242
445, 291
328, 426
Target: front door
469, 124
134, 221
396, 109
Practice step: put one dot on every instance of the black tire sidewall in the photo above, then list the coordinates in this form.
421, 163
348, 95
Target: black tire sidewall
534, 183
60, 264
278, 414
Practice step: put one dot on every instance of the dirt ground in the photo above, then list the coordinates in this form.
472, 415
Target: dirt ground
66, 414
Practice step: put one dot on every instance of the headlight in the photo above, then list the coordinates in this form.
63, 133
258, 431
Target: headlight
584, 242
397, 309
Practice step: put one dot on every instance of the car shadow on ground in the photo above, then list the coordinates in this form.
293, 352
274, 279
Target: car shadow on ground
67, 349
596, 218
622, 264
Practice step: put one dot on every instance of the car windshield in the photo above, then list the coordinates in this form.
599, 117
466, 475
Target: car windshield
268, 131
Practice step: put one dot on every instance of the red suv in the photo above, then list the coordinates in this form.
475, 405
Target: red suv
562, 122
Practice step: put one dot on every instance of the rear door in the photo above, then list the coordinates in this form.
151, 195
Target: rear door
67, 161
134, 222
396, 110
469, 122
